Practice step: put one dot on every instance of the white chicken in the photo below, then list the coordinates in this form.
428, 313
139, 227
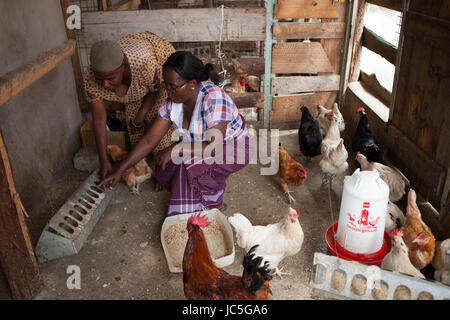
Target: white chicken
395, 217
322, 118
397, 259
441, 261
276, 241
394, 179
334, 154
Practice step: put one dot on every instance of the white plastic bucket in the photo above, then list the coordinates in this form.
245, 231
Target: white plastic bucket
363, 210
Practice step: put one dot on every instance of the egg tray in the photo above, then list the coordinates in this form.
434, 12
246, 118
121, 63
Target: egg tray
373, 277
71, 225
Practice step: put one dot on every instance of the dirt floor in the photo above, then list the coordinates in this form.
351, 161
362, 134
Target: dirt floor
123, 257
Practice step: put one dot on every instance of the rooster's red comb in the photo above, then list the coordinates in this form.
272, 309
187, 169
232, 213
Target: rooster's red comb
361, 109
397, 233
196, 219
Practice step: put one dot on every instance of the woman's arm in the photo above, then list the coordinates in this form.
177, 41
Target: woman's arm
147, 103
99, 125
148, 142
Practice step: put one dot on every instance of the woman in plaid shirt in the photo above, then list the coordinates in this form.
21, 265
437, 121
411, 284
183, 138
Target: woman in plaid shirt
214, 140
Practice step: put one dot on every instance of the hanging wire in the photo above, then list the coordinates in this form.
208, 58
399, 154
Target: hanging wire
220, 54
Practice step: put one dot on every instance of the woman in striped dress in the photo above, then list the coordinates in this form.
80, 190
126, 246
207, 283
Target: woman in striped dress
214, 140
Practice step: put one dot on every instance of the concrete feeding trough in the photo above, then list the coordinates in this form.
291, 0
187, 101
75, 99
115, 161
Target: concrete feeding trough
174, 238
341, 279
69, 228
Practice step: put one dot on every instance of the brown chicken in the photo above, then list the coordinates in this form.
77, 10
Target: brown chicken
135, 175
417, 235
290, 172
204, 281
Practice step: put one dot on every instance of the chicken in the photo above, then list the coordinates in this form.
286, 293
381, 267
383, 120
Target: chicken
439, 255
334, 154
395, 218
276, 241
309, 136
252, 83
397, 259
290, 172
135, 175
393, 178
322, 118
443, 274
417, 235
363, 140
202, 280
237, 81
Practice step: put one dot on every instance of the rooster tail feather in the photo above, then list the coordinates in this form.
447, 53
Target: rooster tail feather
255, 275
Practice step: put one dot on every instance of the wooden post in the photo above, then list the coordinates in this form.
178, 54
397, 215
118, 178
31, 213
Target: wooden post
357, 42
17, 257
76, 65
15, 81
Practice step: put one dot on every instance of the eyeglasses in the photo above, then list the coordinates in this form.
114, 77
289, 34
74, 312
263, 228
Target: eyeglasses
172, 90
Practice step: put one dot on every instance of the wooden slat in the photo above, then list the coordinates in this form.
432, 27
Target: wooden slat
378, 45
309, 99
177, 25
248, 99
308, 30
76, 65
292, 85
300, 57
17, 258
125, 5
433, 31
390, 4
15, 81
376, 88
298, 9
417, 163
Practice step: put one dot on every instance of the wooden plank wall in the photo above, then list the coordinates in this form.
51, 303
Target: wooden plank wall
422, 105
305, 72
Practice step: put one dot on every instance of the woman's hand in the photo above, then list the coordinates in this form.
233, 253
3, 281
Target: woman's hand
111, 180
105, 168
163, 157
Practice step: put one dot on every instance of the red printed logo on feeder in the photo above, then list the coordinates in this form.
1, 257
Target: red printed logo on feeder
363, 224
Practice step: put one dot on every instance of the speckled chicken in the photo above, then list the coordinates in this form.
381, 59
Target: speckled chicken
395, 218
322, 118
334, 154
394, 179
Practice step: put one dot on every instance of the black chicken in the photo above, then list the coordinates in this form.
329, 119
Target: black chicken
309, 136
363, 140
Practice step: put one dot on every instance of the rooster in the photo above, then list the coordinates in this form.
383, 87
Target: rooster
334, 154
397, 259
309, 136
322, 118
290, 172
276, 241
134, 175
393, 178
417, 235
202, 280
363, 140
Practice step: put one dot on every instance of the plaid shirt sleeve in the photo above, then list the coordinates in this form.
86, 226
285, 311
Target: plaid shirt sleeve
218, 107
164, 110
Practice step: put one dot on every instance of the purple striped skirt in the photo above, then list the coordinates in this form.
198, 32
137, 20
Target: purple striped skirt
198, 183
